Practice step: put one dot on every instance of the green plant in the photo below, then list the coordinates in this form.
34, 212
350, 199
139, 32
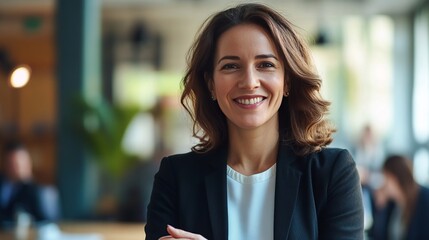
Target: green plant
102, 127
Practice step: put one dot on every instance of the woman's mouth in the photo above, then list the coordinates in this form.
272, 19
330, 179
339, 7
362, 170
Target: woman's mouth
249, 101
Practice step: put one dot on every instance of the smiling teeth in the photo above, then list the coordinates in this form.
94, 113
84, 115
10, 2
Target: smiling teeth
250, 101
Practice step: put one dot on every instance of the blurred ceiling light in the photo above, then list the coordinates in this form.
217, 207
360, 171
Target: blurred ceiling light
20, 76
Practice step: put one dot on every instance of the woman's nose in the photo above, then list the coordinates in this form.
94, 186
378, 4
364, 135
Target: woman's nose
249, 80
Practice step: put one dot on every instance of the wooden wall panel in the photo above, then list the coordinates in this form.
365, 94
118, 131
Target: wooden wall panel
33, 107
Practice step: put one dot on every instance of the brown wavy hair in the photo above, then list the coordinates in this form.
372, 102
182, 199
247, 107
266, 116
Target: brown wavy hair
401, 169
301, 114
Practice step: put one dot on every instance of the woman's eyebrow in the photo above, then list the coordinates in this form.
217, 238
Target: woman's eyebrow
229, 58
260, 56
266, 56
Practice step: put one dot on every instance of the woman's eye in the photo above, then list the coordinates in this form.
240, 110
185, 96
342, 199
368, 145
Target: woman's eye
266, 65
229, 66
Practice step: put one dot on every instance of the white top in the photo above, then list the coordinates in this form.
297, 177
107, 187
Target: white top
251, 204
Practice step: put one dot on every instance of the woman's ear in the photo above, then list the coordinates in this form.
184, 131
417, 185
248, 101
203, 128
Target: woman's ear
286, 87
209, 82
286, 91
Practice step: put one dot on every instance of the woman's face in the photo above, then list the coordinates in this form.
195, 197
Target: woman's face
248, 78
390, 190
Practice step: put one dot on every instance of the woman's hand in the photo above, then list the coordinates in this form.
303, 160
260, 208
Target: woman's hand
180, 234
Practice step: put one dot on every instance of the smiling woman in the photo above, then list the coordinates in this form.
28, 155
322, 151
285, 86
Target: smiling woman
261, 169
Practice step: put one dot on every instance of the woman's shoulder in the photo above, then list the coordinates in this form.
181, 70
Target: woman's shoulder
188, 168
189, 157
331, 157
329, 164
331, 151
191, 160
332, 173
181, 156
180, 159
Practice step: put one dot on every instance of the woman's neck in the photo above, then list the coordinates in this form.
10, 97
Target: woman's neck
252, 151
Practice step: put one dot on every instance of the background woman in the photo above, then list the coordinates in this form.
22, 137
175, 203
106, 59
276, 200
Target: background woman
406, 217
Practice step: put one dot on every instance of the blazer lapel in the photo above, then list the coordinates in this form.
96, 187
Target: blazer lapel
287, 186
216, 195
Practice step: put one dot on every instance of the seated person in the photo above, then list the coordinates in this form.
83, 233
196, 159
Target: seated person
18, 191
402, 204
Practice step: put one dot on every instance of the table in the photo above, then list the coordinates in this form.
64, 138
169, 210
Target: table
107, 230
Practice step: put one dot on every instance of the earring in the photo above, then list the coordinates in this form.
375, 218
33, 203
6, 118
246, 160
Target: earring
286, 94
213, 98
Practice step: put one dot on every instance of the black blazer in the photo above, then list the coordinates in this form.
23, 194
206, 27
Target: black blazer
317, 196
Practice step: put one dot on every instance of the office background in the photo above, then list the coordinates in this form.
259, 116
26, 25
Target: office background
102, 103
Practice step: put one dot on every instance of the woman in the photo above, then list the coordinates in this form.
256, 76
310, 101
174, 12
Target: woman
406, 217
260, 169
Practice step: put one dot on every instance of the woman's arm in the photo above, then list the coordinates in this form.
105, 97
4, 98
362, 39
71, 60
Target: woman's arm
342, 217
162, 208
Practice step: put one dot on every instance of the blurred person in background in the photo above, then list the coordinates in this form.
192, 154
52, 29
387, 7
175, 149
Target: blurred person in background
402, 204
369, 155
261, 169
18, 191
